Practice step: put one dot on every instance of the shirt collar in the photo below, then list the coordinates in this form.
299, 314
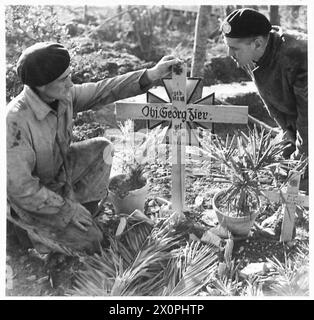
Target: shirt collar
274, 41
40, 108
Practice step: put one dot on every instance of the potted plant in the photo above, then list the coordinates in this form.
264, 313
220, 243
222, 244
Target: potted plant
244, 164
128, 190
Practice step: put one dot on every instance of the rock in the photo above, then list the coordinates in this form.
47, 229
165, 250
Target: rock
31, 278
210, 217
271, 221
253, 268
209, 237
269, 232
266, 232
220, 231
193, 237
198, 201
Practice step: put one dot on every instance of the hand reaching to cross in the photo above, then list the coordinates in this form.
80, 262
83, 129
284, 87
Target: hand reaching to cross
163, 68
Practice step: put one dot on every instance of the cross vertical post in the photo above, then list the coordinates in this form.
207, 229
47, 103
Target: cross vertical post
290, 198
289, 207
181, 115
178, 139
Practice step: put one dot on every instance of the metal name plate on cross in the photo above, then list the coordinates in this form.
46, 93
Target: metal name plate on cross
179, 113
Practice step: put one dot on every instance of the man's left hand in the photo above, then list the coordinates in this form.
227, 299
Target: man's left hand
163, 68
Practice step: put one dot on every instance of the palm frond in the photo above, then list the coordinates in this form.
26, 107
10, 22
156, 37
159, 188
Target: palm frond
190, 269
290, 277
156, 265
140, 148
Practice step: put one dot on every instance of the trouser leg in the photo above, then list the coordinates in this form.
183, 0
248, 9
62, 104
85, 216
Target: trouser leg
91, 162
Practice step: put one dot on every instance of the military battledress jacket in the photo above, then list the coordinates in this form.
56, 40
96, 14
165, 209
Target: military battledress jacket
281, 79
34, 159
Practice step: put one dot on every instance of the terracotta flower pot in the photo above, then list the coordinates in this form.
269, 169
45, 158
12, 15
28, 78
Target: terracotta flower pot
134, 200
238, 226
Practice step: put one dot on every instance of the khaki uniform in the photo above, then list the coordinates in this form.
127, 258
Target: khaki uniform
47, 175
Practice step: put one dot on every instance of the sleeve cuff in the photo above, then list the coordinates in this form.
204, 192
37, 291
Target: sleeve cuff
144, 82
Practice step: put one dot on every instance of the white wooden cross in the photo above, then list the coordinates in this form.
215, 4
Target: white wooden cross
290, 199
178, 113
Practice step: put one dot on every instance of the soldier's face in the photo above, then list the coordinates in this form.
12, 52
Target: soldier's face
59, 88
241, 51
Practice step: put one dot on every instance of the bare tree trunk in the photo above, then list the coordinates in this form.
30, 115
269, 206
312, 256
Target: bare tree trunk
203, 27
163, 20
85, 14
119, 11
274, 16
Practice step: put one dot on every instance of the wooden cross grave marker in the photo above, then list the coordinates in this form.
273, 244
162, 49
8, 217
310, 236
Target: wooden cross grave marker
179, 113
290, 199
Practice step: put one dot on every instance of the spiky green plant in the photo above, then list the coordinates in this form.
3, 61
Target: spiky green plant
226, 286
138, 152
140, 148
290, 277
246, 162
147, 261
253, 287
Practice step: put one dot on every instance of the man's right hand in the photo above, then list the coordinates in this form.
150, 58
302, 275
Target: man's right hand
82, 218
163, 68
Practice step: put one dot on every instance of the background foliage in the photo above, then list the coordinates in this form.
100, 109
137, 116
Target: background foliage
107, 41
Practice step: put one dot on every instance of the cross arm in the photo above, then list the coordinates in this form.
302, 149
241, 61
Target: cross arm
277, 196
192, 113
217, 113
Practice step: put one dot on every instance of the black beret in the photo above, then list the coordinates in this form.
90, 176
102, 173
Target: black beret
244, 23
42, 63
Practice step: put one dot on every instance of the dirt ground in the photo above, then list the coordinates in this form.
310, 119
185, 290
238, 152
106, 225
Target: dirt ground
33, 275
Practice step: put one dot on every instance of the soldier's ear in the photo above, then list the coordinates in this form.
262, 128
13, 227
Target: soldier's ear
259, 42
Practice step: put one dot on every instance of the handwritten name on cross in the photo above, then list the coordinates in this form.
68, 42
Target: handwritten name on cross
179, 113
290, 199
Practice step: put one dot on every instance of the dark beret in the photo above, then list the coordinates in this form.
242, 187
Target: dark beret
42, 63
244, 23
